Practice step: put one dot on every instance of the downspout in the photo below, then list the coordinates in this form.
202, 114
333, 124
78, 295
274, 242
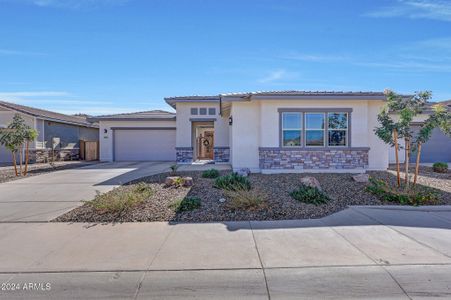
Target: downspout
220, 105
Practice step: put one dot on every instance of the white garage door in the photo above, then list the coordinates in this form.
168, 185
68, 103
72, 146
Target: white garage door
144, 145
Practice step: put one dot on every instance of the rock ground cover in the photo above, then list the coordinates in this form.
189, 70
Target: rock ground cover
340, 188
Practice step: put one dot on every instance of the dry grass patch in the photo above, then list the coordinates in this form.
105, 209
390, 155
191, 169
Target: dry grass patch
121, 199
246, 200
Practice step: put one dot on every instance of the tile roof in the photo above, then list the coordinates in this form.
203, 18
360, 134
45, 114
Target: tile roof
48, 115
144, 115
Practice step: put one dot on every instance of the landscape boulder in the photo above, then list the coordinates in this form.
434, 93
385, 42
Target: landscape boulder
187, 181
361, 177
171, 180
311, 181
244, 172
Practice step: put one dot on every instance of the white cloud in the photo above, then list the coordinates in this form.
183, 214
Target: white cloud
33, 94
416, 9
16, 52
71, 4
278, 75
315, 57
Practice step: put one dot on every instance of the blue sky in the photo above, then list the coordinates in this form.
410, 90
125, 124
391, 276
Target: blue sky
109, 56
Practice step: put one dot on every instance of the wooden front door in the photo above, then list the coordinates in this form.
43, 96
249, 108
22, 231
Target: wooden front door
205, 143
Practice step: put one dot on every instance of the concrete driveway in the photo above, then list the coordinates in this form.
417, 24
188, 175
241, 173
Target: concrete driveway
361, 252
44, 197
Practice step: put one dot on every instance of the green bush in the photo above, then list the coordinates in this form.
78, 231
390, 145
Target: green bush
232, 182
121, 199
440, 167
186, 204
308, 194
212, 173
381, 189
245, 200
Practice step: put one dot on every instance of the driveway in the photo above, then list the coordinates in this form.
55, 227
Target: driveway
361, 252
44, 197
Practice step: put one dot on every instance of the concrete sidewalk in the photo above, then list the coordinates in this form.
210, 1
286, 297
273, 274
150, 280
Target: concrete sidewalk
44, 197
362, 252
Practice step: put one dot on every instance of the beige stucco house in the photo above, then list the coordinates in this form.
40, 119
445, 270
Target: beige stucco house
282, 131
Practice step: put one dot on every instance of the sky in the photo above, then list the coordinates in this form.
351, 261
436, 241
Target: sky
113, 56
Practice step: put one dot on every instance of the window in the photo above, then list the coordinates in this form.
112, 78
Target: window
338, 129
202, 111
212, 111
291, 129
194, 111
314, 129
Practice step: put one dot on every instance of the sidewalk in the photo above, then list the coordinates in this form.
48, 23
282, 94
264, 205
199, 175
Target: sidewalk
361, 252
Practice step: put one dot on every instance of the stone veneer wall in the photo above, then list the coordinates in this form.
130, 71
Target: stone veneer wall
222, 154
280, 158
184, 154
45, 155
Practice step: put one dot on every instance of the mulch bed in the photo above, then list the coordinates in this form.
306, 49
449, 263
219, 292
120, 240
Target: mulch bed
341, 188
8, 174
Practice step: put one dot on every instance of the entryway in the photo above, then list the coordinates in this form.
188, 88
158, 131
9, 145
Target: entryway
203, 141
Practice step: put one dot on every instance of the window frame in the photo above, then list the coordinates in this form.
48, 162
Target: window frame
300, 129
346, 130
324, 129
325, 112
194, 111
202, 109
211, 109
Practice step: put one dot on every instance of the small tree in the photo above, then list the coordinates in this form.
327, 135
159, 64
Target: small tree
14, 137
390, 130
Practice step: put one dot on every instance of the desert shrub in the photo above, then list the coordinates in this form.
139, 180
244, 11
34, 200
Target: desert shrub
186, 204
212, 173
413, 197
232, 182
174, 169
178, 182
440, 167
121, 199
308, 194
245, 200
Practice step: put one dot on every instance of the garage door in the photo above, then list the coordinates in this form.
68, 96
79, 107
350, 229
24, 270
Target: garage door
144, 145
437, 148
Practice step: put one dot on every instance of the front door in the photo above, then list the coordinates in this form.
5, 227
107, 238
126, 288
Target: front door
205, 143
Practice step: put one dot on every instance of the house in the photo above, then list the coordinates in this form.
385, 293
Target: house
279, 131
57, 132
437, 148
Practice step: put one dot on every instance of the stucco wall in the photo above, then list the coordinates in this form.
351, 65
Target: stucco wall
184, 130
256, 124
246, 132
106, 139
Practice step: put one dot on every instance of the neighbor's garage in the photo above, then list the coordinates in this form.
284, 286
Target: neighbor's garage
144, 144
141, 136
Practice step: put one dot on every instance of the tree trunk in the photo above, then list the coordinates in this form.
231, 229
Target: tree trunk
14, 162
20, 159
407, 158
417, 165
395, 138
26, 158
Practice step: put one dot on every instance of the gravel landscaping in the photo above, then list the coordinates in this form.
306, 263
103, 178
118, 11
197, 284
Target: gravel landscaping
340, 188
7, 172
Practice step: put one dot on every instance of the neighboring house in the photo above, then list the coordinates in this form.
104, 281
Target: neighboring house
56, 131
140, 136
437, 148
281, 131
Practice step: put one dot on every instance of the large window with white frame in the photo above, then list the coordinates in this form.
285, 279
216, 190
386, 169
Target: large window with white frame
292, 129
314, 129
337, 129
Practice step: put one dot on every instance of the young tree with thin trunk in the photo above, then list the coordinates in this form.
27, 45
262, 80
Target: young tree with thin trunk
391, 129
14, 137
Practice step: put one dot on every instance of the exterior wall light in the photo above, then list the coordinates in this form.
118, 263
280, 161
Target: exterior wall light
230, 120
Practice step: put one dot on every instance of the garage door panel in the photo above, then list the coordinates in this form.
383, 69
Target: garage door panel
144, 145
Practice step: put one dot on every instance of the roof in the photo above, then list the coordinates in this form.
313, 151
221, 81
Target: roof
151, 115
48, 115
326, 95
429, 106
